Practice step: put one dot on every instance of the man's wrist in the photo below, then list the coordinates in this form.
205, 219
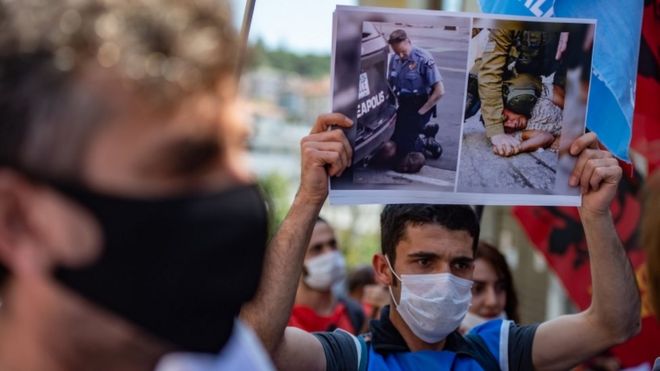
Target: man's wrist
306, 200
590, 215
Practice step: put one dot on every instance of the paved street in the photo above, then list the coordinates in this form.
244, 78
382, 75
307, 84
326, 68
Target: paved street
485, 172
449, 49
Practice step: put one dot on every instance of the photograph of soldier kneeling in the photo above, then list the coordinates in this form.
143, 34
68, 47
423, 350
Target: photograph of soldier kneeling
514, 105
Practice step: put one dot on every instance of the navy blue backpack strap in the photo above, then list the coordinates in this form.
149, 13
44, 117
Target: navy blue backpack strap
364, 341
480, 353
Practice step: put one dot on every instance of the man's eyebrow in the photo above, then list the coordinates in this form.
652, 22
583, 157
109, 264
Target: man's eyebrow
462, 259
424, 254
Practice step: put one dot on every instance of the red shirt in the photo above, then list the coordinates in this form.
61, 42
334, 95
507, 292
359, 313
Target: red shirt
305, 318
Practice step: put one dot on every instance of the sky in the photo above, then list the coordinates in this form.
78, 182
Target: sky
302, 26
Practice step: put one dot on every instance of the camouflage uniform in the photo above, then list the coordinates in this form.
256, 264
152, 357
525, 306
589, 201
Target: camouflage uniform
412, 80
507, 54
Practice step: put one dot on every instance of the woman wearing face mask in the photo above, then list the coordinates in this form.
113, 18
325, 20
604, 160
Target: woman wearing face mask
317, 307
493, 293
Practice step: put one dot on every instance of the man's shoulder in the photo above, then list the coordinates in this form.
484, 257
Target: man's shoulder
511, 344
343, 350
546, 112
423, 56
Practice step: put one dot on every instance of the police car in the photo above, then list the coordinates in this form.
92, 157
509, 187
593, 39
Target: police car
376, 108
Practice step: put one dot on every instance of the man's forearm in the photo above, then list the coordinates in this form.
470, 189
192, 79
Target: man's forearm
436, 94
268, 313
615, 300
535, 139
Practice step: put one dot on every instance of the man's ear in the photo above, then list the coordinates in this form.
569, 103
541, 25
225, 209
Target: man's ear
382, 271
15, 232
40, 227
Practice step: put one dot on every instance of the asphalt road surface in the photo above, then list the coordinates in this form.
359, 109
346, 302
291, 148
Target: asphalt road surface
449, 49
483, 171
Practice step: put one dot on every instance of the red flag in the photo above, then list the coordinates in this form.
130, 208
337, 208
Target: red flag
558, 234
646, 127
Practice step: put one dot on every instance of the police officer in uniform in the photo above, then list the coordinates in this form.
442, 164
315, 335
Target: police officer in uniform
417, 83
507, 54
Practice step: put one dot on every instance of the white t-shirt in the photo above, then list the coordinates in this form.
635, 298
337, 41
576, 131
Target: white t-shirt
242, 352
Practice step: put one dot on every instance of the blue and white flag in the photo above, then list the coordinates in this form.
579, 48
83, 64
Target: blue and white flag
616, 49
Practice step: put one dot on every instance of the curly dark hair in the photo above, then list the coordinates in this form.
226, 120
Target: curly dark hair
163, 50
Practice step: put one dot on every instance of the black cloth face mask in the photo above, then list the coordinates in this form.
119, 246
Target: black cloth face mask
179, 267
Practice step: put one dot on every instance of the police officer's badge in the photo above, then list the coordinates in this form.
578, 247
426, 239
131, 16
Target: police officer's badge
412, 65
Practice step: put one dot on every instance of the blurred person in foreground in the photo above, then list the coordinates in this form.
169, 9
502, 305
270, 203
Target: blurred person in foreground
131, 232
427, 262
316, 307
493, 293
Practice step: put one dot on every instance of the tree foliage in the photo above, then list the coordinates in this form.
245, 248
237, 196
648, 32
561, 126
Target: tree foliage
276, 189
306, 65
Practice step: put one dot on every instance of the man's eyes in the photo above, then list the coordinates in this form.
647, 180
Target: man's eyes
316, 249
423, 262
462, 265
455, 266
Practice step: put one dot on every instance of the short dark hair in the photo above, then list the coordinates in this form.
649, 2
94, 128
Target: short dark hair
396, 218
360, 276
397, 36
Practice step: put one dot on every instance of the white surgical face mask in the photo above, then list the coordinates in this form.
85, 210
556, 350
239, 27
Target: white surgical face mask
473, 320
325, 270
432, 305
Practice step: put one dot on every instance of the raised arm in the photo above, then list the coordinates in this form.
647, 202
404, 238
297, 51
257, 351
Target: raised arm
614, 314
324, 153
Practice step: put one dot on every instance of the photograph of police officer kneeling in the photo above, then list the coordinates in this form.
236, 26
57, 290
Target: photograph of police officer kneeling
425, 78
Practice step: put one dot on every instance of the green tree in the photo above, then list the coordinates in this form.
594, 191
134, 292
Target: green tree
306, 65
276, 189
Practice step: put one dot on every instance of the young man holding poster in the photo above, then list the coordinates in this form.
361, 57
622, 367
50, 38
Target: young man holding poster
428, 254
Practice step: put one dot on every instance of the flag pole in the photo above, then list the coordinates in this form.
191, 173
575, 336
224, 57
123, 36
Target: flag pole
245, 32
